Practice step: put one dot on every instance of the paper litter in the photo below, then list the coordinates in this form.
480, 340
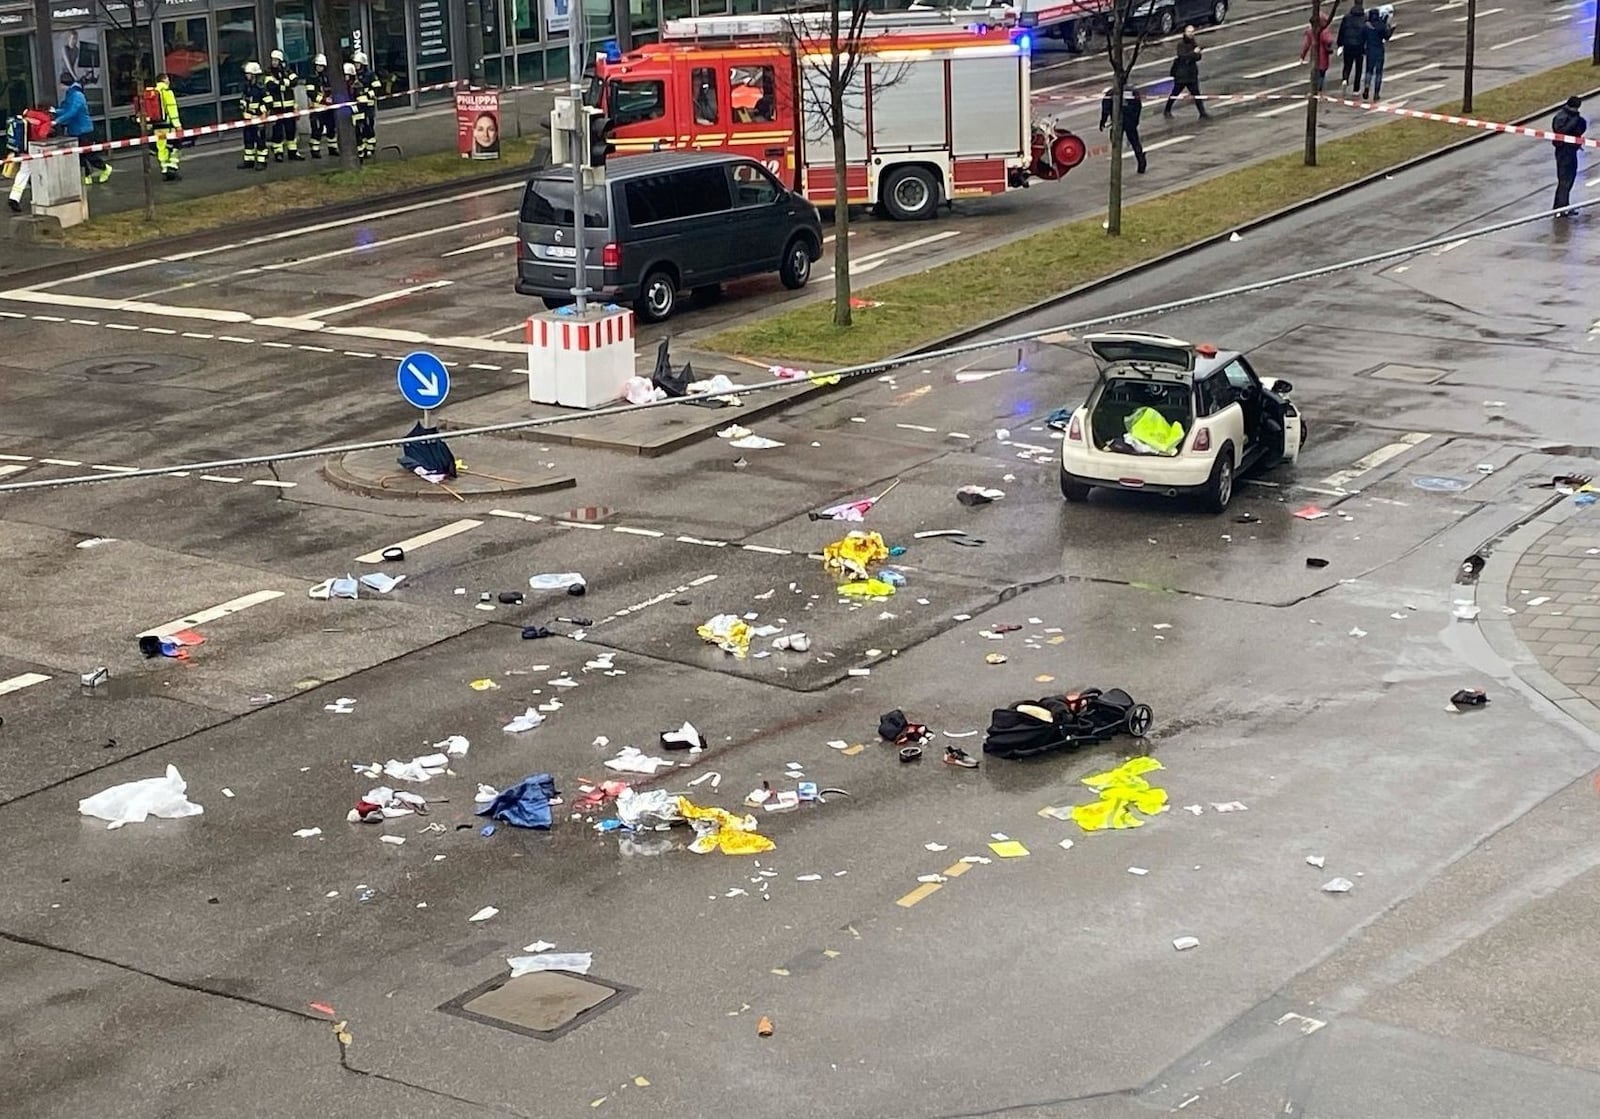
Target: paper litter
484, 914
728, 632
557, 581
135, 801
1338, 886
577, 963
525, 721
634, 760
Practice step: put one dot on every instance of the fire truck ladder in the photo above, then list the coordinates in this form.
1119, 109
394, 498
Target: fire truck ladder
818, 23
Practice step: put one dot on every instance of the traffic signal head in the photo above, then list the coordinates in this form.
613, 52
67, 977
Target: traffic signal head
599, 137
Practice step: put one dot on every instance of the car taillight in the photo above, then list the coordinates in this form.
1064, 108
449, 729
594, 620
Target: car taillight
1075, 430
611, 256
1202, 440
522, 249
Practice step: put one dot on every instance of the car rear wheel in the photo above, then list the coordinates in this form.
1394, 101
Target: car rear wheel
1078, 36
1073, 491
1166, 22
795, 271
1219, 12
910, 194
1219, 489
658, 296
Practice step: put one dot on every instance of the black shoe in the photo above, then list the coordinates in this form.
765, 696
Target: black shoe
247, 165
16, 207
1167, 112
171, 176
296, 157
278, 158
316, 154
1140, 169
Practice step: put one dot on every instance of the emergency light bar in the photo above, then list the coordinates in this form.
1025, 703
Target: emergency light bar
813, 23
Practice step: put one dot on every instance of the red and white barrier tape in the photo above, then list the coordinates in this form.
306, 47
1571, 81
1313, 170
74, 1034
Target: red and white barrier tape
1368, 106
233, 125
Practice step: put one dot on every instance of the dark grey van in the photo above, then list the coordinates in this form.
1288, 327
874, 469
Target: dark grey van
661, 224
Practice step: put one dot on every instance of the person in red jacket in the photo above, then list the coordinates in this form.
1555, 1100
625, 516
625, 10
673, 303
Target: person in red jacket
1319, 37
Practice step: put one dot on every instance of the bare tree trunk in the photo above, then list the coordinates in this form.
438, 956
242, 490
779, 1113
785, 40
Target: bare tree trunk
1114, 210
343, 113
841, 210
1472, 52
1313, 93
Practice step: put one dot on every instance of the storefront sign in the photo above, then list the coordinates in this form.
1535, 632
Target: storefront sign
12, 21
433, 33
556, 15
478, 124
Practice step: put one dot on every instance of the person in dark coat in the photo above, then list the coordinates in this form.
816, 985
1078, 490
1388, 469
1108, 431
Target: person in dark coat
1353, 45
1186, 74
1376, 41
1132, 107
1568, 122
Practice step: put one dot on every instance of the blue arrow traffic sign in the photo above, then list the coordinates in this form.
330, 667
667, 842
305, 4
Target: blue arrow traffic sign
424, 381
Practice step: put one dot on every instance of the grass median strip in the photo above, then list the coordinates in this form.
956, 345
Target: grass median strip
919, 308
286, 196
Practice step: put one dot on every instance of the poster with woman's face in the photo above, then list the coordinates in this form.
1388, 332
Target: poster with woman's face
478, 124
78, 52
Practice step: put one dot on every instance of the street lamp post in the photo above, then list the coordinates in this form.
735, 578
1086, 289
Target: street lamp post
577, 30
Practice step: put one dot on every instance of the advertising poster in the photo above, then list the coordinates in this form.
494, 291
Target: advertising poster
556, 15
77, 52
478, 124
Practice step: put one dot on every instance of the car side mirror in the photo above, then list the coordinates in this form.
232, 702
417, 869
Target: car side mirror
1282, 386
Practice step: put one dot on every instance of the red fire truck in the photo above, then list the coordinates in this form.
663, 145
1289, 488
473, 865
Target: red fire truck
935, 111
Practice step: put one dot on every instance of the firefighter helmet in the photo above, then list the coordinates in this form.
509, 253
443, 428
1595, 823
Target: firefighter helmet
349, 69
359, 58
252, 69
320, 60
276, 56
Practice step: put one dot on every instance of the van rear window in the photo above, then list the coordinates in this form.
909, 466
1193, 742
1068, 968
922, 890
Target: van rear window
549, 202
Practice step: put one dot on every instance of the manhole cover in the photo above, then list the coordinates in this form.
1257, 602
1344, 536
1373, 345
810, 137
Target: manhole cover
543, 1005
138, 368
1411, 374
1440, 484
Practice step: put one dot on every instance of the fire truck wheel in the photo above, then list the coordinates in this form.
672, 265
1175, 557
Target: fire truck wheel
910, 194
658, 295
795, 270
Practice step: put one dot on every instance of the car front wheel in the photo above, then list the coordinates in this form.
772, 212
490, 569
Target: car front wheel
795, 271
1219, 489
1166, 22
1219, 12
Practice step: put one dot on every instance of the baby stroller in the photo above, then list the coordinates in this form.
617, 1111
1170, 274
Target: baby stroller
1065, 722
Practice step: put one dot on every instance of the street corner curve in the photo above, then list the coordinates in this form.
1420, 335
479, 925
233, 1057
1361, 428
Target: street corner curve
350, 473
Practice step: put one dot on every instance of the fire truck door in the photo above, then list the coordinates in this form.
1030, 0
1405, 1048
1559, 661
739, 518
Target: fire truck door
760, 124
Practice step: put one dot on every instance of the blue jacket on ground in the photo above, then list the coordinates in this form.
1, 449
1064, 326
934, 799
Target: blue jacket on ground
72, 115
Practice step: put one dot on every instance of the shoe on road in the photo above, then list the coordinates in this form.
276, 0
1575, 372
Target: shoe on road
296, 157
955, 755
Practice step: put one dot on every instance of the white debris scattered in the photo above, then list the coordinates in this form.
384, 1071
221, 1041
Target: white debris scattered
1065, 845
1139, 870
935, 847
538, 946
1358, 632
525, 721
484, 914
1318, 861
307, 833
578, 963
1540, 601
1231, 806
1338, 886
1193, 809
392, 840
931, 878
808, 878
1185, 942
135, 801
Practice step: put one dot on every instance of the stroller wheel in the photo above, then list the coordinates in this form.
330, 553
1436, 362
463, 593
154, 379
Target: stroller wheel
1140, 718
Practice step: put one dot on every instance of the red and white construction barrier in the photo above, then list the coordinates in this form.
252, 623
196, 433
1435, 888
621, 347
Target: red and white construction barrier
1368, 106
580, 362
234, 125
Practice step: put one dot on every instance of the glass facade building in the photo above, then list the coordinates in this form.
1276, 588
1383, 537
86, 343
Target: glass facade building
204, 44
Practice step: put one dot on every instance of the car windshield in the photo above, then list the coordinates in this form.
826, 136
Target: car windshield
549, 202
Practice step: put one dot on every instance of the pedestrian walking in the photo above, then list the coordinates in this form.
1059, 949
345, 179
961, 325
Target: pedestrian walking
36, 125
1567, 122
72, 118
253, 106
324, 121
365, 89
1353, 45
1319, 38
279, 83
164, 119
1132, 108
1375, 42
1186, 74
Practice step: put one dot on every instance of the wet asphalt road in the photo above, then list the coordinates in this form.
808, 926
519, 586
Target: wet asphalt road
170, 967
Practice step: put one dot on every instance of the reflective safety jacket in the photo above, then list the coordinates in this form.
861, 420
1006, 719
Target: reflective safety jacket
169, 106
253, 100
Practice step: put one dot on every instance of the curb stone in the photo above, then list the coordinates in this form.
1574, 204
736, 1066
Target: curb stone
334, 473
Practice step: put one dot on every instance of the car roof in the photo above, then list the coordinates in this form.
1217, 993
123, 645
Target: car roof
648, 163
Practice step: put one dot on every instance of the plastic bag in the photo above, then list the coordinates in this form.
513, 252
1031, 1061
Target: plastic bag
133, 802
648, 809
576, 962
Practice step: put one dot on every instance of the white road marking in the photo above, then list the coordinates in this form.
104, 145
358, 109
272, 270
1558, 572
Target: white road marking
767, 551
702, 543
193, 334
1481, 15
120, 326
50, 318
7, 471
372, 246
273, 483
279, 345
1162, 63
223, 610
1452, 246
61, 462
1343, 478
589, 526
236, 338
92, 302
113, 469
629, 531
1161, 144
1296, 65
869, 261
220, 478
1281, 109
1513, 42
372, 300
84, 322
1390, 79
314, 349
532, 518
16, 458
17, 683
158, 330
493, 243
1417, 93
445, 532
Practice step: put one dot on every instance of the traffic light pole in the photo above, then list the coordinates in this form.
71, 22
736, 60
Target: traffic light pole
577, 28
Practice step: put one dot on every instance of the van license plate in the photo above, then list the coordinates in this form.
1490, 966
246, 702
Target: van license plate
562, 252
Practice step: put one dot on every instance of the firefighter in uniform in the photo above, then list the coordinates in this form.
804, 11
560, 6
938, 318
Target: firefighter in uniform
253, 106
280, 82
163, 119
324, 120
365, 89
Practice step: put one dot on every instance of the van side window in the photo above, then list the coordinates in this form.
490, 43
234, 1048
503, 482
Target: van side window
753, 186
677, 194
704, 81
637, 101
753, 93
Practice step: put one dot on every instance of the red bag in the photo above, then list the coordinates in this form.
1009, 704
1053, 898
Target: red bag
150, 101
39, 124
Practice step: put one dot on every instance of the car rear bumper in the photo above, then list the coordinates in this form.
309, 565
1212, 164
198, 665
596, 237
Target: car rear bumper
556, 283
1176, 477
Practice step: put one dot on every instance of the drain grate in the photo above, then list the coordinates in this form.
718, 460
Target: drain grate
544, 1005
1411, 374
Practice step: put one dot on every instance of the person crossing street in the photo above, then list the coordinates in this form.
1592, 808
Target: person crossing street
1567, 122
164, 120
324, 119
279, 83
253, 106
1186, 74
1132, 108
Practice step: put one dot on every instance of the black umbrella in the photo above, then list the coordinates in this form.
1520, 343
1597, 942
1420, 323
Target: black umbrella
431, 456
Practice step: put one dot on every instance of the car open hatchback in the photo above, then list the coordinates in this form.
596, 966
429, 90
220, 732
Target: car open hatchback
1176, 419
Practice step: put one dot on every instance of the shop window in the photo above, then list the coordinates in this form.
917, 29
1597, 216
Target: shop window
236, 45
131, 63
16, 73
78, 51
601, 17
676, 9
525, 21
186, 54
433, 41
388, 50
642, 18
489, 28
711, 8
292, 32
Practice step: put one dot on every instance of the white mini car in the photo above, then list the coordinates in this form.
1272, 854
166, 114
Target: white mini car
1206, 414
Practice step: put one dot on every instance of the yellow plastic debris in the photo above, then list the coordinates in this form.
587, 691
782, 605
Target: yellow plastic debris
483, 685
1153, 430
732, 835
1008, 849
852, 554
727, 632
1123, 793
867, 588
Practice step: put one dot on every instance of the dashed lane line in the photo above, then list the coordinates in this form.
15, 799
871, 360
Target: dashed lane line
422, 540
17, 683
211, 614
24, 461
1341, 479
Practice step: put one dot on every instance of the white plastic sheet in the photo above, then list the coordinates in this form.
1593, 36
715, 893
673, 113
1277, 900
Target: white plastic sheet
556, 581
576, 962
634, 760
136, 801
